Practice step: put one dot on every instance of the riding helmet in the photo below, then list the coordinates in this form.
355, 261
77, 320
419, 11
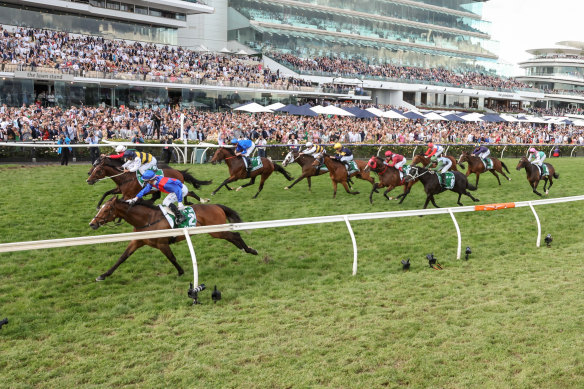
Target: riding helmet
337, 146
148, 175
233, 141
120, 149
308, 144
388, 153
532, 150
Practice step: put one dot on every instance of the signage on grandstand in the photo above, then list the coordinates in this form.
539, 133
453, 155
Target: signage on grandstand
43, 76
510, 95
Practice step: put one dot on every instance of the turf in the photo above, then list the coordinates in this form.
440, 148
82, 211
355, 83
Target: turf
294, 316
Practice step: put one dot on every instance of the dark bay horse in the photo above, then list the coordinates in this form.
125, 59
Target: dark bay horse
146, 217
432, 186
476, 166
425, 161
533, 175
237, 170
127, 184
338, 173
305, 161
388, 177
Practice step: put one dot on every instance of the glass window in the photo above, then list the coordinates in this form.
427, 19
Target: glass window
113, 5
155, 12
141, 10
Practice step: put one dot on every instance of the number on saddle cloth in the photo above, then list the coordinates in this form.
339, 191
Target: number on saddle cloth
449, 178
352, 167
188, 213
158, 172
256, 163
488, 162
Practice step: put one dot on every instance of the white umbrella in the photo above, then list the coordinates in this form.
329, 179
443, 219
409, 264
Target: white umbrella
252, 107
332, 110
472, 117
433, 116
318, 109
225, 50
508, 118
375, 111
392, 115
242, 52
275, 106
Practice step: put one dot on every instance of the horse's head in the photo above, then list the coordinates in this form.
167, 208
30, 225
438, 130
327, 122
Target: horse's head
419, 158
221, 154
290, 157
464, 157
97, 171
415, 173
523, 162
373, 164
106, 213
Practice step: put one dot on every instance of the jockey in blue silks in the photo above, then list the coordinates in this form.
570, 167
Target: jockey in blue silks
176, 190
244, 148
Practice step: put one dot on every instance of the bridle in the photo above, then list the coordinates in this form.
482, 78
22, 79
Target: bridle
417, 174
102, 220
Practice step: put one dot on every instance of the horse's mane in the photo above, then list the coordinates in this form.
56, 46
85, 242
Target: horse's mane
143, 203
116, 162
231, 150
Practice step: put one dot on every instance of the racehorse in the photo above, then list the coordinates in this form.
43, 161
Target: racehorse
432, 186
127, 184
237, 170
146, 217
533, 175
305, 161
388, 177
338, 172
476, 166
425, 161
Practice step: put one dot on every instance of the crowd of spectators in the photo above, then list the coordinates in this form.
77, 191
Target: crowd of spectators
337, 66
80, 54
86, 124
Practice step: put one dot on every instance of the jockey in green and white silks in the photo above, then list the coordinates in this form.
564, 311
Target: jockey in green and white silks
442, 164
314, 151
539, 157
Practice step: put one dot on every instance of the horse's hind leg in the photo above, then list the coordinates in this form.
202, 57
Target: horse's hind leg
433, 202
296, 181
132, 246
467, 193
349, 190
309, 183
168, 252
235, 238
477, 182
496, 175
261, 186
224, 183
545, 182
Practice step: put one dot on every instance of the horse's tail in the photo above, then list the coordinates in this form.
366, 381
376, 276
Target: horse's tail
505, 166
470, 187
462, 166
192, 180
232, 216
556, 175
280, 169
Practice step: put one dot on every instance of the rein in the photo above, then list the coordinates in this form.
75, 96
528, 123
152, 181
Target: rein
105, 178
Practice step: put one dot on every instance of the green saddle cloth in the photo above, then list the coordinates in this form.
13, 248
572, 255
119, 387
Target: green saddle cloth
256, 163
139, 176
353, 168
188, 213
449, 184
544, 170
405, 171
323, 168
488, 163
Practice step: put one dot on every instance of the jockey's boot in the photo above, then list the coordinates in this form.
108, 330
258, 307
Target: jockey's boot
443, 177
346, 163
179, 217
248, 160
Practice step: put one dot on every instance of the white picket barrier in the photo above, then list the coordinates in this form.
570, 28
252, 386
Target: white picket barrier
79, 241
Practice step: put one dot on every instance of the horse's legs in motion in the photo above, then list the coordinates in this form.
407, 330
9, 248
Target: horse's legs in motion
165, 248
334, 189
458, 201
534, 186
371, 194
466, 192
347, 188
496, 175
227, 181
115, 190
427, 201
265, 176
477, 182
251, 182
309, 184
235, 238
297, 180
389, 188
545, 181
433, 202
132, 246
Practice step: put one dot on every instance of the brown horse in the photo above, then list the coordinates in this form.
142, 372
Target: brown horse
146, 217
305, 161
338, 173
127, 184
388, 177
476, 166
425, 161
533, 175
432, 186
237, 170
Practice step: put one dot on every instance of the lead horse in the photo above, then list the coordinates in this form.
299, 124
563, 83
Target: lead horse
388, 177
146, 217
237, 170
533, 175
127, 184
305, 161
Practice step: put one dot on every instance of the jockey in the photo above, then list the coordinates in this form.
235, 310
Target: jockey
343, 154
395, 160
434, 150
314, 151
482, 152
120, 150
176, 190
539, 157
442, 165
138, 160
244, 148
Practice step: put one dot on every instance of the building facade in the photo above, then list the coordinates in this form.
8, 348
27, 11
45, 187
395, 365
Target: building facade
559, 71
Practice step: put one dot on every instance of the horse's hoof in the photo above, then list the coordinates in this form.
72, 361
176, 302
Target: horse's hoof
252, 251
238, 189
286, 188
476, 200
212, 193
546, 192
100, 278
390, 198
203, 201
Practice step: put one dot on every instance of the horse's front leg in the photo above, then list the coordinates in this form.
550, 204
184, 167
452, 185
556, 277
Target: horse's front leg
116, 190
349, 190
496, 175
373, 190
298, 180
132, 246
433, 202
389, 188
534, 186
227, 181
165, 248
550, 186
251, 182
477, 181
458, 201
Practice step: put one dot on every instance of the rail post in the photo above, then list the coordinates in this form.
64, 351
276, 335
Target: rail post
538, 241
354, 244
458, 250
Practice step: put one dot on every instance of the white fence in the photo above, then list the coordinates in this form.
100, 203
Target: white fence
67, 242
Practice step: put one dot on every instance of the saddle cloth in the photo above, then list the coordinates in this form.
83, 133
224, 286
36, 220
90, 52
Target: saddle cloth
352, 168
449, 184
188, 212
488, 162
256, 163
139, 176
543, 170
404, 172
